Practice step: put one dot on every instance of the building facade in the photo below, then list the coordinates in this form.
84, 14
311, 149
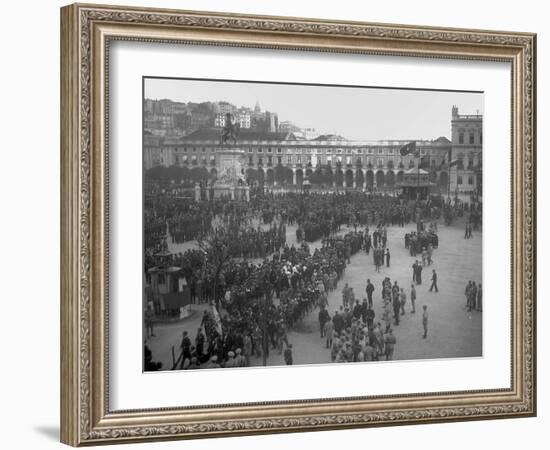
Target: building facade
278, 158
242, 118
350, 164
467, 145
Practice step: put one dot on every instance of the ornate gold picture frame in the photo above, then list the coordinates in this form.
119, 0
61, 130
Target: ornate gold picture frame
86, 34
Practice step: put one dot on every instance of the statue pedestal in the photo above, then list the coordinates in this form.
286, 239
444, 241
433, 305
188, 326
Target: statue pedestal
230, 180
231, 162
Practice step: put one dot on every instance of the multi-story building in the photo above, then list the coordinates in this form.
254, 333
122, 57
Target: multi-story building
264, 121
276, 157
352, 164
224, 108
467, 143
155, 152
242, 118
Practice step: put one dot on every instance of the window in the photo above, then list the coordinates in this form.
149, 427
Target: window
259, 149
250, 149
279, 150
459, 179
480, 137
470, 180
204, 150
270, 160
259, 160
298, 159
471, 138
380, 151
461, 138
279, 159
269, 150
194, 150
250, 160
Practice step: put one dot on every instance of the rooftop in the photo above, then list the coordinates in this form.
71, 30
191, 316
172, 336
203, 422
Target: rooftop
329, 137
244, 134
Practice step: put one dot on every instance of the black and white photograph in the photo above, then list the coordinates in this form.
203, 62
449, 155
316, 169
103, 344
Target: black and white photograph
292, 224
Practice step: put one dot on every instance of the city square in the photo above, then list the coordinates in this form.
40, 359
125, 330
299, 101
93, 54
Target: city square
270, 244
452, 329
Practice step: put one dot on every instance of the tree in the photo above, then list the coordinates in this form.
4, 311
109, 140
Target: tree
174, 173
217, 248
283, 174
155, 173
318, 177
198, 174
252, 176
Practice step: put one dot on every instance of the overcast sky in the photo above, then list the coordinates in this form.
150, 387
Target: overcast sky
358, 113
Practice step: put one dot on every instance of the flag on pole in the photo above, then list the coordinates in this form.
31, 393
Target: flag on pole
454, 162
217, 319
409, 148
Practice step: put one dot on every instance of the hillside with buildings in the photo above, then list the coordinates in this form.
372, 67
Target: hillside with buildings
167, 118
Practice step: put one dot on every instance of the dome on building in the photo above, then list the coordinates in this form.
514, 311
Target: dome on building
329, 137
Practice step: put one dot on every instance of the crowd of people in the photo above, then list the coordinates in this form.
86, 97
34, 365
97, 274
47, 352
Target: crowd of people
353, 335
253, 323
473, 293
255, 303
258, 242
472, 210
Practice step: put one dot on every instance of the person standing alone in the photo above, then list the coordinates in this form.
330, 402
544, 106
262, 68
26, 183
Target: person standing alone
434, 281
370, 290
425, 321
288, 355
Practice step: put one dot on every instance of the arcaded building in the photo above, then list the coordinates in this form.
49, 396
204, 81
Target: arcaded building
280, 158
